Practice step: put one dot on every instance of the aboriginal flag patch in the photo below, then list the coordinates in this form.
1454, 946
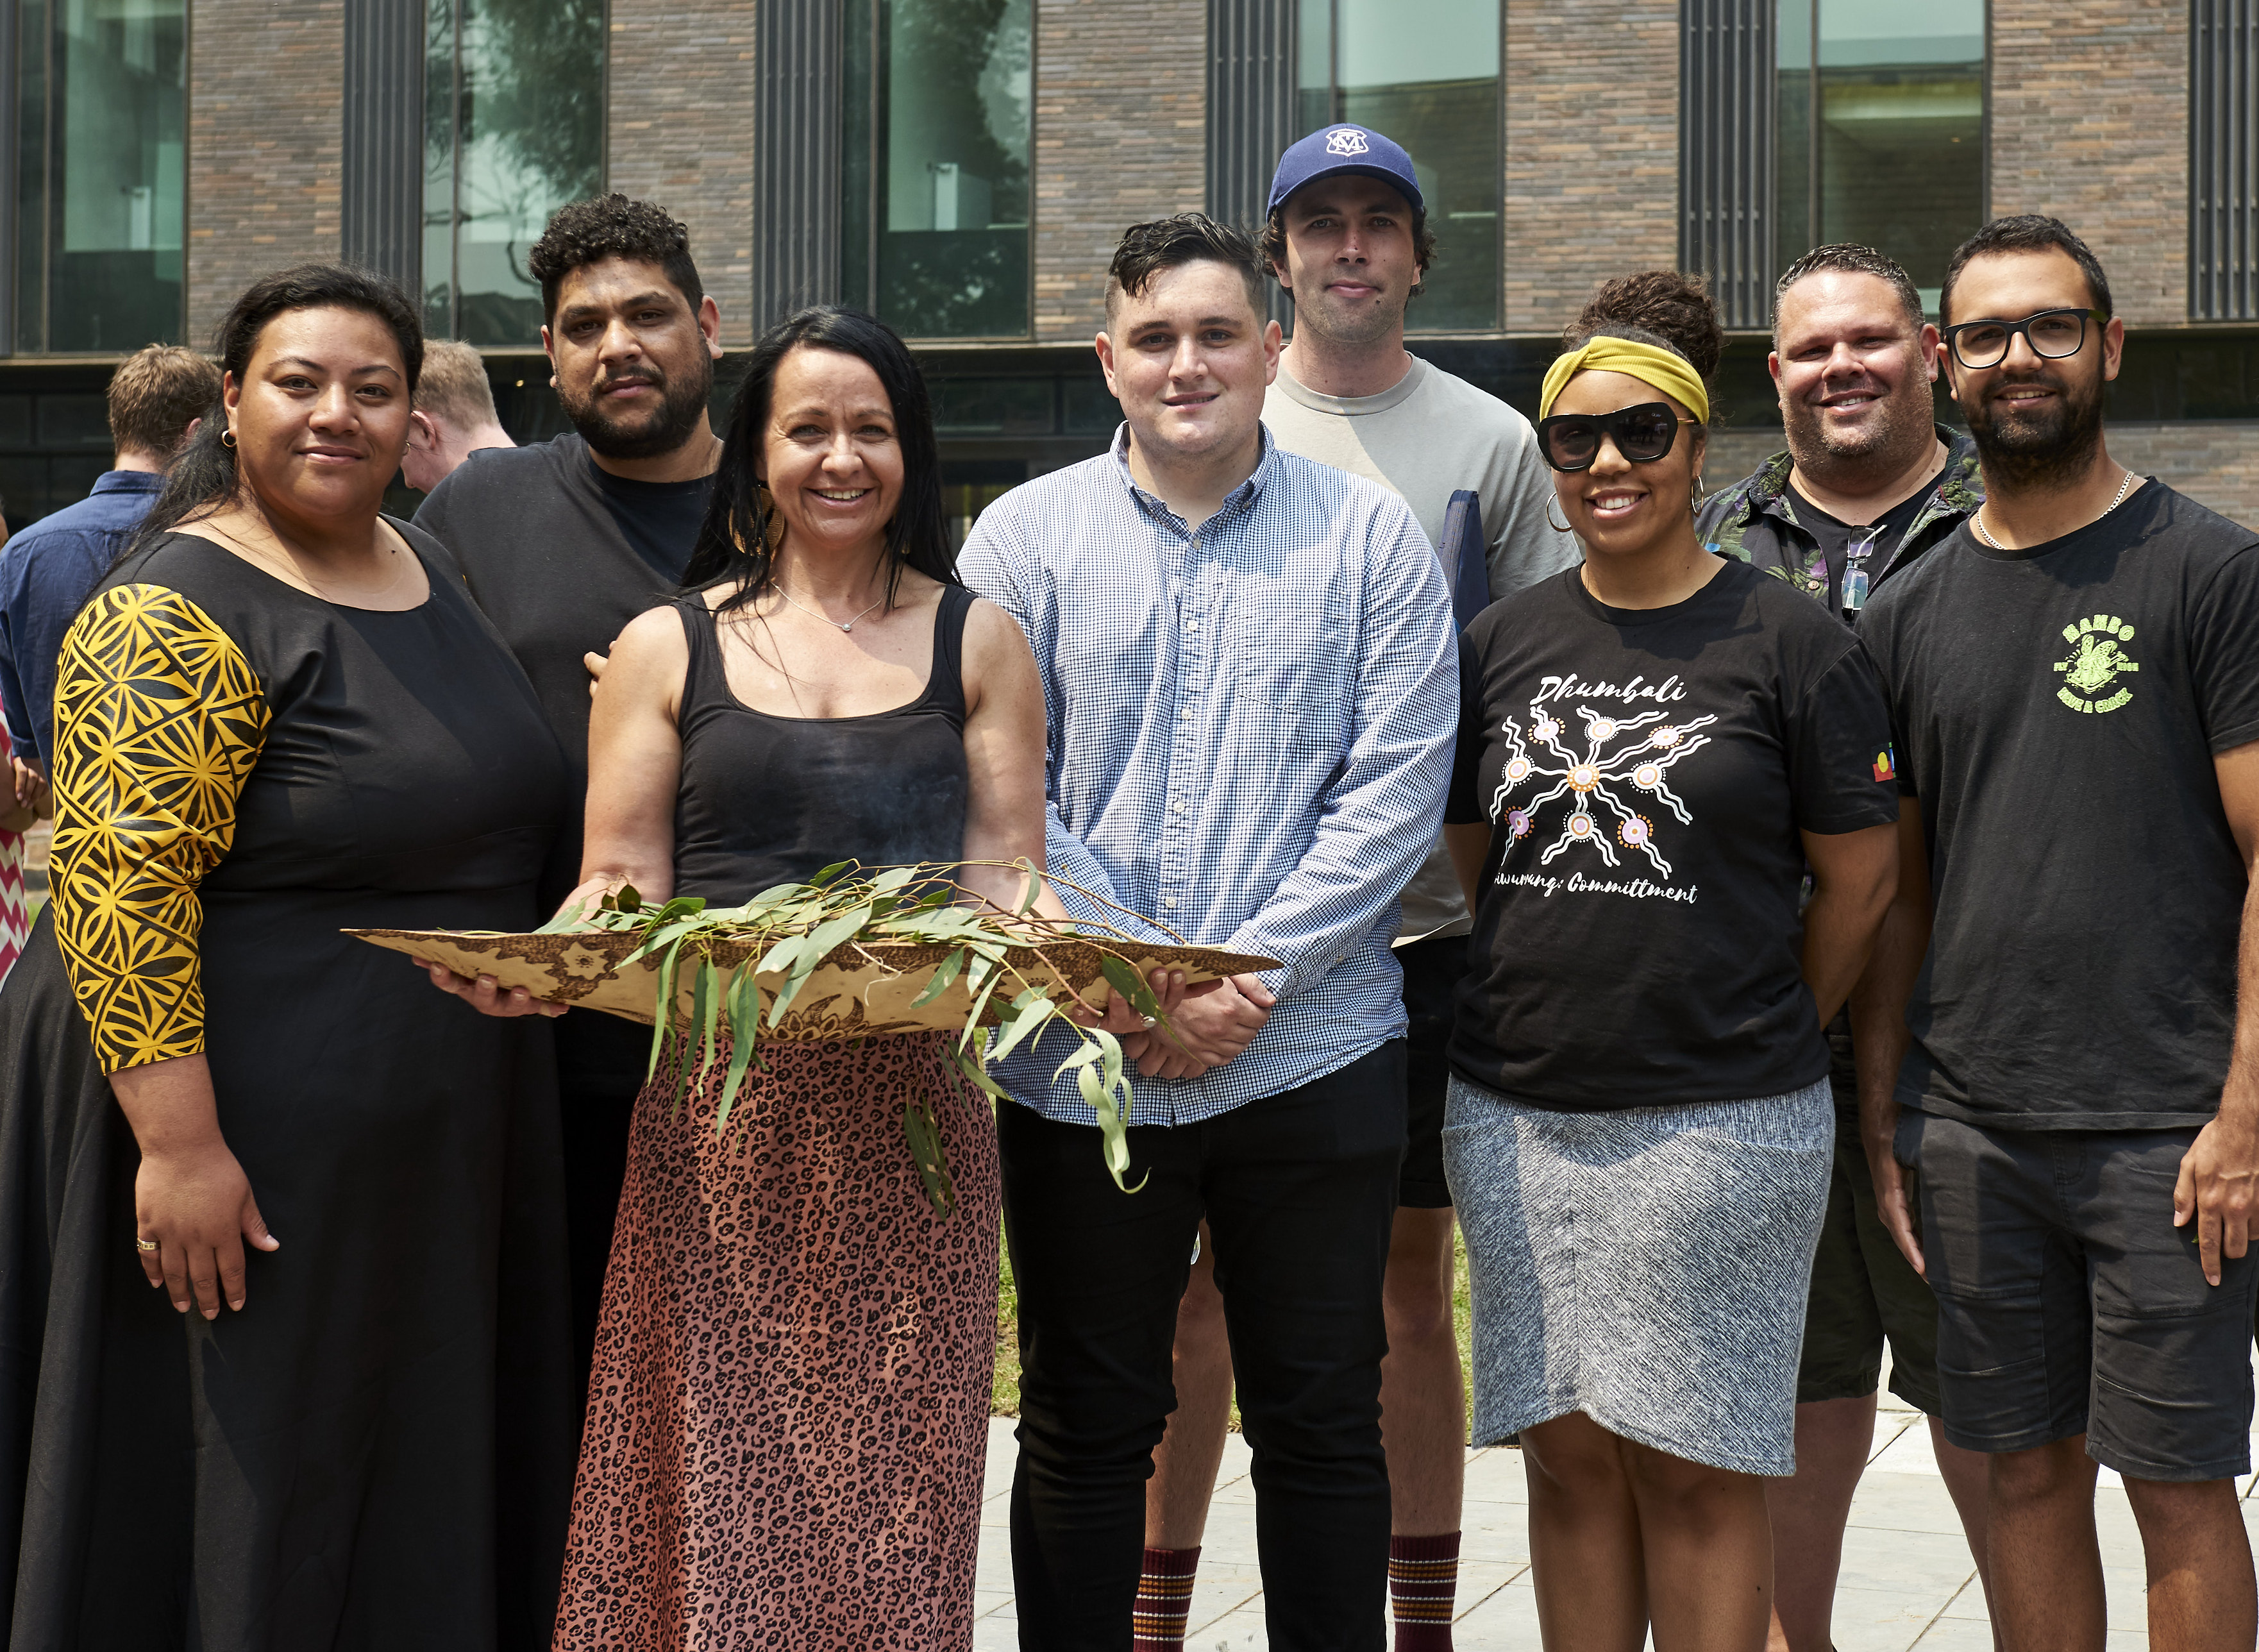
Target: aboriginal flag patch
1884, 769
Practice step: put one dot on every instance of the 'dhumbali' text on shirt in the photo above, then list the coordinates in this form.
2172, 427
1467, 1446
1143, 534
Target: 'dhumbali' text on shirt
1637, 688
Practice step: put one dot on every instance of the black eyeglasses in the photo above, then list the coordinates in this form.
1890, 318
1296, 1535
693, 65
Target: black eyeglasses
1642, 434
2052, 334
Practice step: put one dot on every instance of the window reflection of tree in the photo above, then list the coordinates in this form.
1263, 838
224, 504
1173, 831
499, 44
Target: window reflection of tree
514, 126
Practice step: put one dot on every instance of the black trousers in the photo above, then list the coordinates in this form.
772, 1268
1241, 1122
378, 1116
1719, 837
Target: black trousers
1299, 1193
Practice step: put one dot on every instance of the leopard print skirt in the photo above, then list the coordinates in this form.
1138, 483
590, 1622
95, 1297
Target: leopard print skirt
788, 1415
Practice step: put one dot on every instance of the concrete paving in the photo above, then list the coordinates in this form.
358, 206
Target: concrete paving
1906, 1581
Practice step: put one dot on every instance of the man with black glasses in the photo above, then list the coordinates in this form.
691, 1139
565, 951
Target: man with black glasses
2074, 679
1869, 483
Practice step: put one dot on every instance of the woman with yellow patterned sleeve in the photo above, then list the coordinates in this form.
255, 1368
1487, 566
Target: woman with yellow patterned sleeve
282, 1315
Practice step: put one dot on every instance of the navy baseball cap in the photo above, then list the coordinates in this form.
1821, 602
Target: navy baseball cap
1331, 150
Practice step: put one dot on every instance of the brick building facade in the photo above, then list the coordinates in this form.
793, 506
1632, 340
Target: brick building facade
2088, 115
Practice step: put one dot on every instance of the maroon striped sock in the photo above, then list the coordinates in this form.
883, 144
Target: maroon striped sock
1164, 1600
1423, 1583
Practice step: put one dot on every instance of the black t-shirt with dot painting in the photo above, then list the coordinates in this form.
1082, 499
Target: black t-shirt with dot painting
2058, 710
1646, 773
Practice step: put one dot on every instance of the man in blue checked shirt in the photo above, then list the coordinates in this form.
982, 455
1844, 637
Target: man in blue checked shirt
1248, 676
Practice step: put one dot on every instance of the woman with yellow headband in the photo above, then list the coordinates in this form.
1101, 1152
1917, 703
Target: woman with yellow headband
1655, 746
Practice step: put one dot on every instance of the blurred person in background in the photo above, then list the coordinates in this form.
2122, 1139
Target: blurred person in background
158, 397
1348, 238
454, 414
1869, 483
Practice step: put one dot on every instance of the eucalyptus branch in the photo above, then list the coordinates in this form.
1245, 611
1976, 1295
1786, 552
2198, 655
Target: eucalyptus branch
786, 933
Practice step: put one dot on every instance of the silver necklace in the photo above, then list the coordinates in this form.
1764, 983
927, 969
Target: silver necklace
844, 625
1978, 520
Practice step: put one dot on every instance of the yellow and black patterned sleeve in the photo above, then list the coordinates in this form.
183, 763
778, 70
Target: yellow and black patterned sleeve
159, 719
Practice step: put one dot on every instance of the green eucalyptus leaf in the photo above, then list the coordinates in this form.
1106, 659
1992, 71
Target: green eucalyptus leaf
1082, 1057
977, 1075
1113, 1137
1123, 976
707, 1011
689, 1044
1027, 901
924, 1134
745, 1033
1028, 1018
831, 872
829, 935
782, 955
625, 899
944, 973
664, 1019
566, 918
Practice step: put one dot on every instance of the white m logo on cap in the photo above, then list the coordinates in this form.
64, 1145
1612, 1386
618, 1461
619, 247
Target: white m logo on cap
1346, 141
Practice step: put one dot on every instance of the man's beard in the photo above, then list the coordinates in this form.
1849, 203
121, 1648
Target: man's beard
2028, 450
1908, 419
641, 435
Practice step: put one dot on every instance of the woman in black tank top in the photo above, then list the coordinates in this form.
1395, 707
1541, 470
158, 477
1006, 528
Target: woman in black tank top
788, 1416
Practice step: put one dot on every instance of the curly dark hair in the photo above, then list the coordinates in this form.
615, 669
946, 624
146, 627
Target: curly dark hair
611, 226
1656, 306
1271, 244
1188, 238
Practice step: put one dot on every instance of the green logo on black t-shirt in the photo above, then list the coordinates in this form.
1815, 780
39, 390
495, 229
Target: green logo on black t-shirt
2098, 660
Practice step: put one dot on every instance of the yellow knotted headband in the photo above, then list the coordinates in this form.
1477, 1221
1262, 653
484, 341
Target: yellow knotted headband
1667, 370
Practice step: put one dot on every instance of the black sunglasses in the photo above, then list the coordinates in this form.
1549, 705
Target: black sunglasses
1642, 434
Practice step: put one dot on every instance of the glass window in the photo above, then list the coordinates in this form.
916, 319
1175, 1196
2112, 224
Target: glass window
513, 129
102, 175
1426, 72
938, 125
1881, 128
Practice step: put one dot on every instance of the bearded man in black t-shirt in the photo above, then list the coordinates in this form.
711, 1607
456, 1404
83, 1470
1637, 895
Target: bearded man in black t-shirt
562, 544
2074, 684
1868, 483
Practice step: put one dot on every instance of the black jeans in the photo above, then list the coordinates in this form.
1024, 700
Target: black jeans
1299, 1193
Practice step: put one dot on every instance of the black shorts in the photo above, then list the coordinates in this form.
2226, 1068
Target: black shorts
1863, 1293
1432, 969
2068, 1303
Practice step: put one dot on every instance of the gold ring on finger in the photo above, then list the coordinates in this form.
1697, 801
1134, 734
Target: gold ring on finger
145, 1246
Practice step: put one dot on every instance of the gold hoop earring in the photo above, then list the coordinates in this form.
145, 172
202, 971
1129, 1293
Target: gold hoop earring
227, 438
1557, 527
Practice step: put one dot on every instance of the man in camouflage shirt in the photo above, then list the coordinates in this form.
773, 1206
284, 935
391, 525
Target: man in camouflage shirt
1870, 482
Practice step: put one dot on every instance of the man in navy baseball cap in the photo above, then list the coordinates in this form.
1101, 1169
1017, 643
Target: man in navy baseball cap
1332, 150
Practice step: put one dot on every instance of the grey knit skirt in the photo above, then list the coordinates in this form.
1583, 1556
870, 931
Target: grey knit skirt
1648, 1268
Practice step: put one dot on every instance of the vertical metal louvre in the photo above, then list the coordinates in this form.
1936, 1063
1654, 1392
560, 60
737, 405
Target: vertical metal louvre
1726, 131
1250, 103
1251, 110
2223, 160
380, 203
796, 214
